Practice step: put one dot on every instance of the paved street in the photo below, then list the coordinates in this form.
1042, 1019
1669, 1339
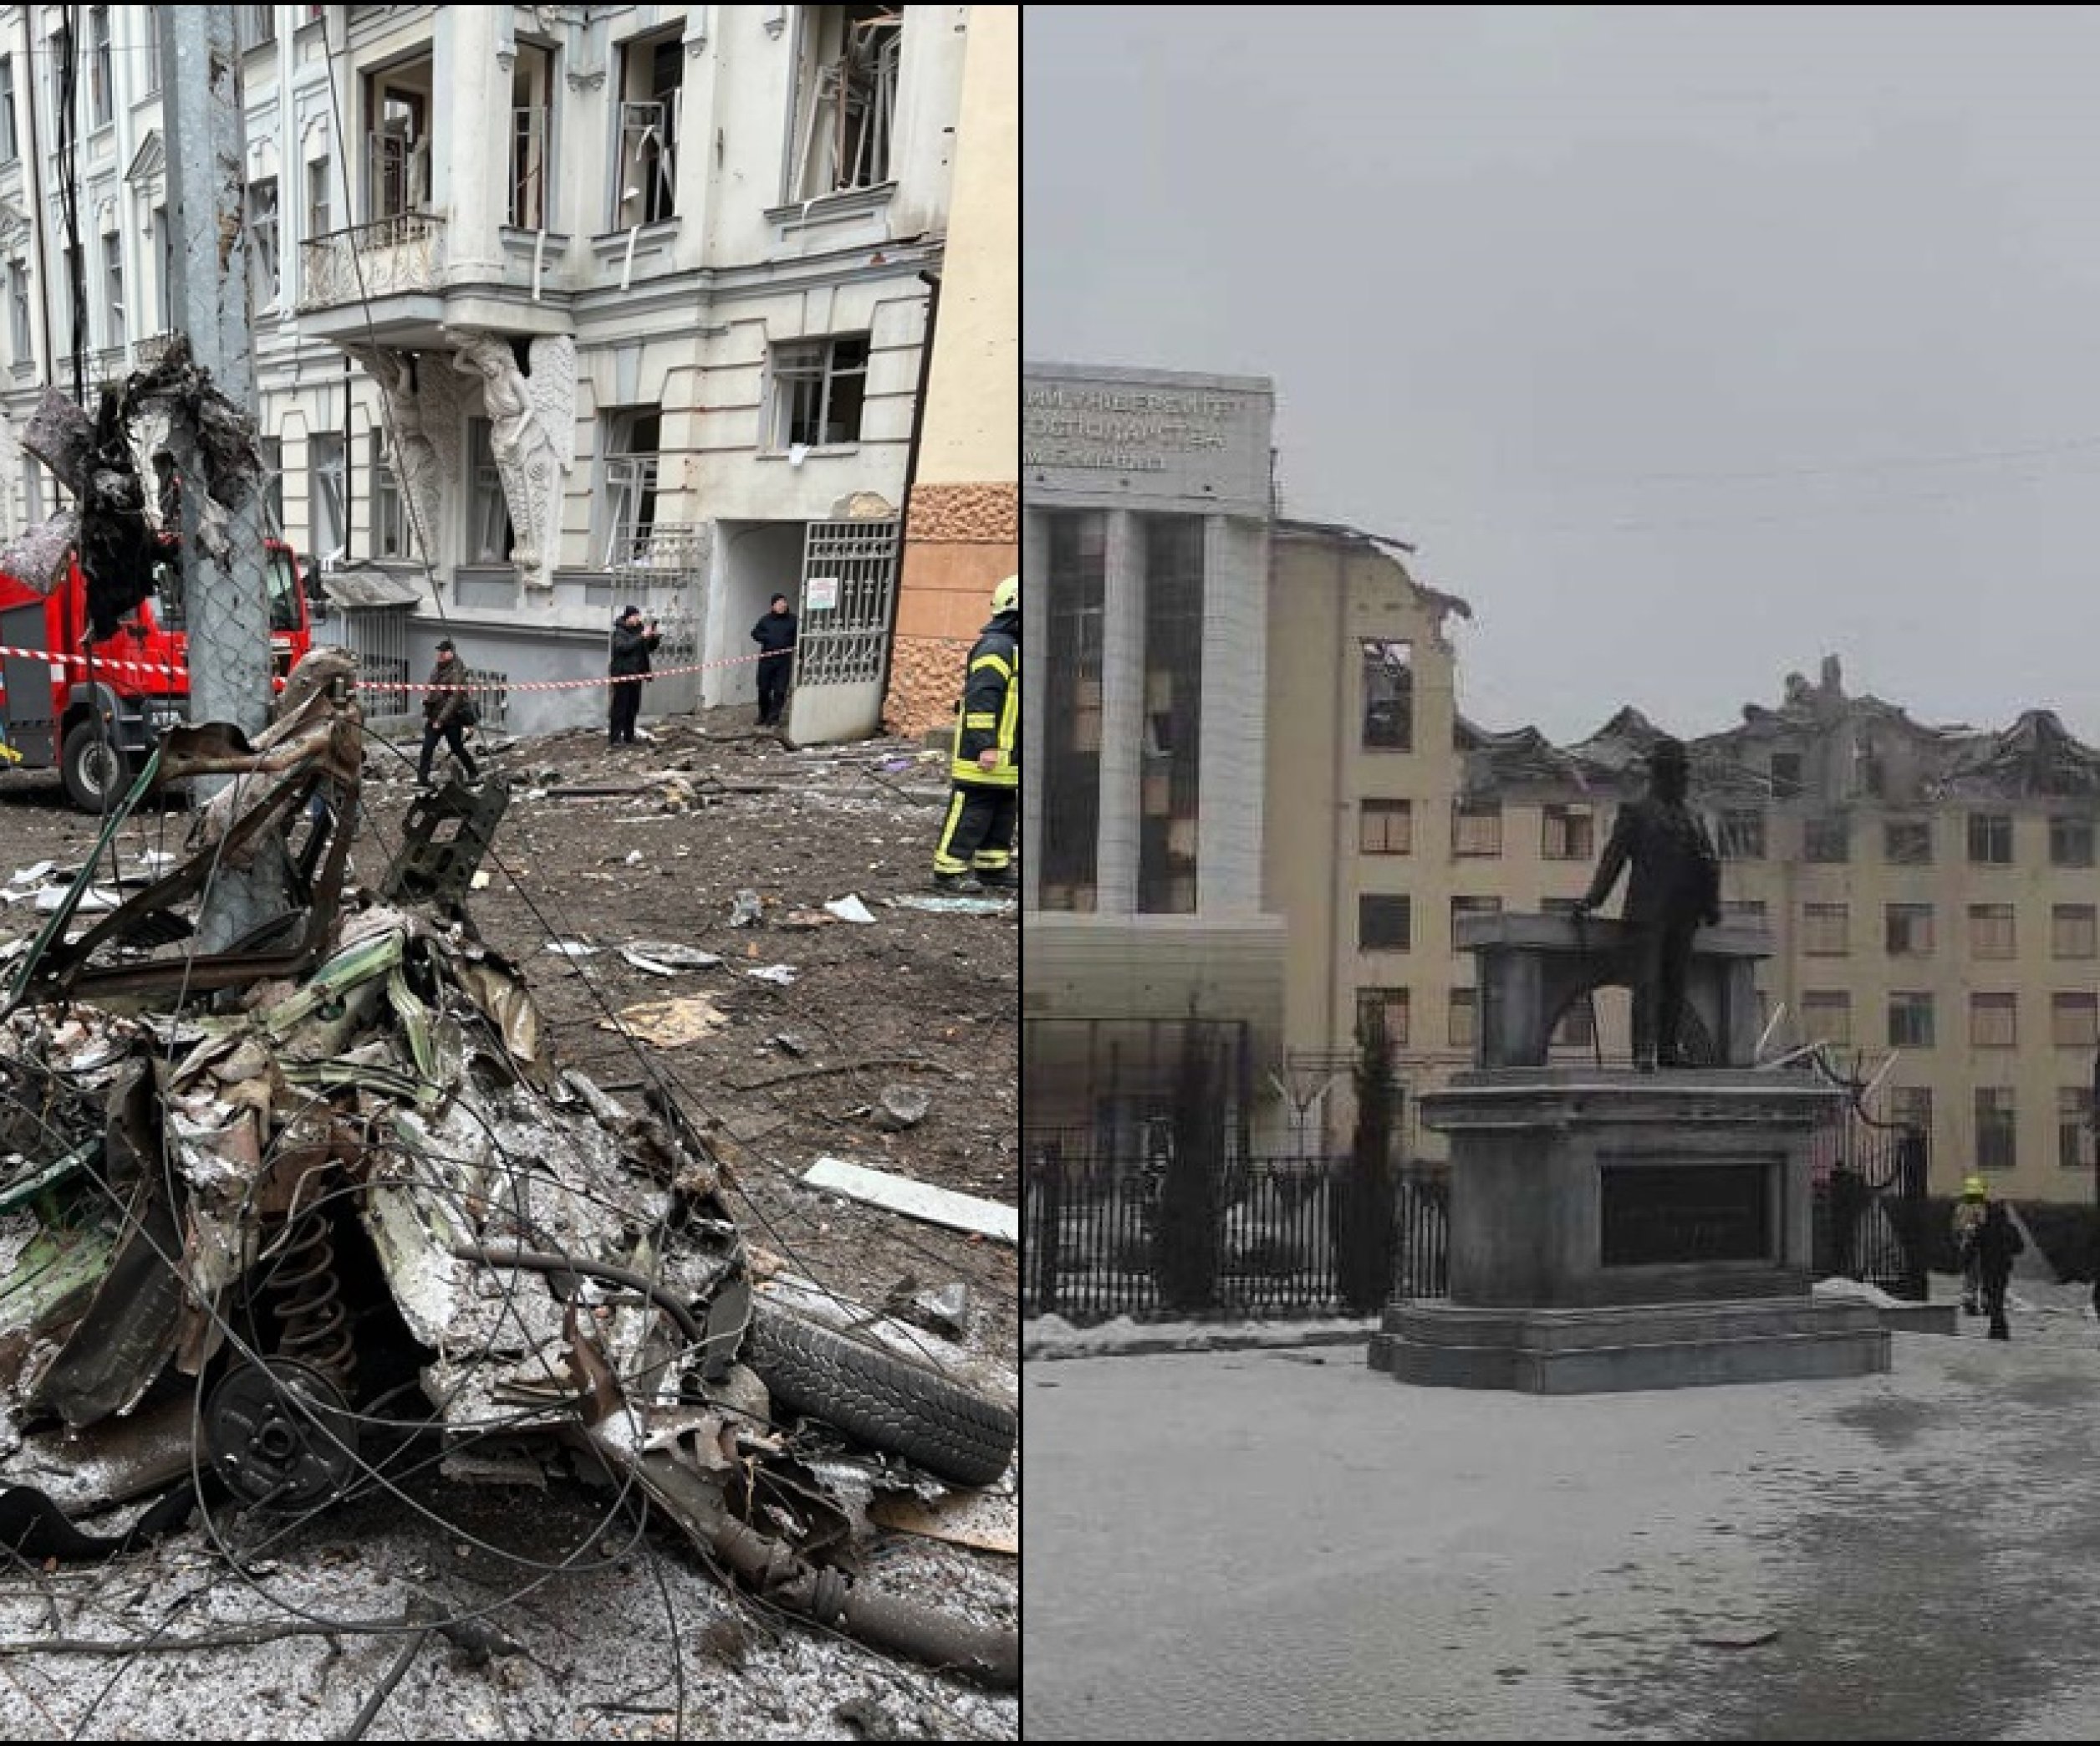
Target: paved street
1285, 1544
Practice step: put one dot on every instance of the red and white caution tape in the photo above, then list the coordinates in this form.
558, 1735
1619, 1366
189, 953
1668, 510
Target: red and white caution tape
172, 673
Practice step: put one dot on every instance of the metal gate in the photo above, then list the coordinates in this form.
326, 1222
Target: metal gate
661, 568
1870, 1204
849, 583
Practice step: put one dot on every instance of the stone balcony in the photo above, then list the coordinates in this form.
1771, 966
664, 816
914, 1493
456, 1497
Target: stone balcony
383, 281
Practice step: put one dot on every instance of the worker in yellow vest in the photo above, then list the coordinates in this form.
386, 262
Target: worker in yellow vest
977, 838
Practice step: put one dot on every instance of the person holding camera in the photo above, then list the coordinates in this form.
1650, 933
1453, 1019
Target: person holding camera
632, 640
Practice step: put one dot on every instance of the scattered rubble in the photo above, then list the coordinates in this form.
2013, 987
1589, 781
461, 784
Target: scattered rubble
328, 1198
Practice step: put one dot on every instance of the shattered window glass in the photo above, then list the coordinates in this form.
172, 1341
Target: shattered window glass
1996, 1128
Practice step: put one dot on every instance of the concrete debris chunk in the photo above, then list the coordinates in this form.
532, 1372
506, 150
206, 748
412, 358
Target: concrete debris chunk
918, 1200
901, 1107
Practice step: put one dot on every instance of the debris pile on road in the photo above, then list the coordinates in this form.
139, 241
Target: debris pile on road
275, 1215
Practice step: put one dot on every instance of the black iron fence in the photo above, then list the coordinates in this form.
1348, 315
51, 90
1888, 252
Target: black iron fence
1099, 1239
1870, 1206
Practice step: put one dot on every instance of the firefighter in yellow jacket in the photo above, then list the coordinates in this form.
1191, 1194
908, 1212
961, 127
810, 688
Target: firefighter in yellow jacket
977, 838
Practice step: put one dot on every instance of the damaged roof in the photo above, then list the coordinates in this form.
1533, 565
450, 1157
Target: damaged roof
1850, 747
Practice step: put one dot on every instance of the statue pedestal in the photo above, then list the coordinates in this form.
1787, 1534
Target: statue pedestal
1612, 1229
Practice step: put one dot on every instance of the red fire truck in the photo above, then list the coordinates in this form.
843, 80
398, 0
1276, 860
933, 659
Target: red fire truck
96, 712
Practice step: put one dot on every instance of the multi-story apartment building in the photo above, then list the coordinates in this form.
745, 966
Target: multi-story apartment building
555, 306
1931, 894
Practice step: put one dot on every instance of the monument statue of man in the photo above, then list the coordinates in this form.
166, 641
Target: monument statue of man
1675, 887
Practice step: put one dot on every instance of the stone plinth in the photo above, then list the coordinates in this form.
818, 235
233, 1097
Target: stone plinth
1612, 1229
1532, 968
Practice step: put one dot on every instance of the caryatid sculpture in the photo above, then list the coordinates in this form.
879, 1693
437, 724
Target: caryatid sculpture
533, 435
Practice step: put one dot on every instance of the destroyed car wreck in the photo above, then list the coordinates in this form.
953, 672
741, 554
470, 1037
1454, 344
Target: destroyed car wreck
298, 1220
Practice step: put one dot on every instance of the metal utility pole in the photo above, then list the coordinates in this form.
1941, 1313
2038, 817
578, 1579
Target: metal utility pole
225, 606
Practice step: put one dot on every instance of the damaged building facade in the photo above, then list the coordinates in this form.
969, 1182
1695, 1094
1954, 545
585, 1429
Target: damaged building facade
580, 306
1930, 891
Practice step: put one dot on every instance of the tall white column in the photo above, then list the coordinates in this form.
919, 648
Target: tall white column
1122, 717
1232, 759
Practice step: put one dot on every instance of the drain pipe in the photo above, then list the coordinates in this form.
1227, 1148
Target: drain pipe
931, 281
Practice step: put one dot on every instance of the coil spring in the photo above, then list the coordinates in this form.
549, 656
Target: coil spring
316, 1327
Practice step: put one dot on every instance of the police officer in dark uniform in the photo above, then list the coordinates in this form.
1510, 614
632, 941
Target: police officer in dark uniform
1675, 888
977, 838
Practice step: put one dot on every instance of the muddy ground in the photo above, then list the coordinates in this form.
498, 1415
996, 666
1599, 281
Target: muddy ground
916, 1000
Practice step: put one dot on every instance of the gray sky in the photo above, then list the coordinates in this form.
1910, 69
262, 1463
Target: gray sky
1688, 344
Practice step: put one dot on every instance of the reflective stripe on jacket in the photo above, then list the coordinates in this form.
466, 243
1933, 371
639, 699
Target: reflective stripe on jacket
991, 714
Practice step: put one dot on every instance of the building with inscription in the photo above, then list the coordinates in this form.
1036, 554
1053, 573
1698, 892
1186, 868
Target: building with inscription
556, 307
1146, 509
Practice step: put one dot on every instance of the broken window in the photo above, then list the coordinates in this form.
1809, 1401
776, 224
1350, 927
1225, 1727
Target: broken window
1996, 1128
1171, 770
652, 73
152, 29
1824, 930
113, 288
631, 436
1993, 1021
317, 210
2070, 842
1075, 587
398, 146
2074, 1122
1389, 697
532, 119
9, 150
1381, 1017
254, 26
846, 99
1990, 930
1907, 842
489, 532
1383, 923
820, 387
272, 449
1477, 828
264, 262
1567, 833
1742, 836
1911, 1107
61, 52
1910, 1021
1826, 1014
1908, 930
390, 526
1827, 840
1991, 839
1464, 1019
1386, 827
164, 282
328, 492
101, 87
2074, 932
2074, 1020
21, 334
1785, 775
